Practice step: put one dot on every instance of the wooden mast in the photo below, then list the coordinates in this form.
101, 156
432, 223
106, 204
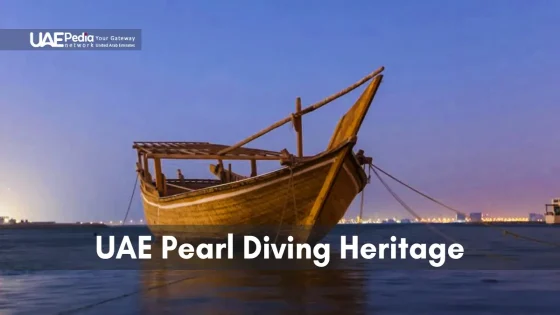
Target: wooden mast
298, 126
303, 112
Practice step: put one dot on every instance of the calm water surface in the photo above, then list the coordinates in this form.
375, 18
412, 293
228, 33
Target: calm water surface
365, 290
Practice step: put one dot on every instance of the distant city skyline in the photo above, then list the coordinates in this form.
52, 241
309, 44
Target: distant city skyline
466, 112
374, 219
531, 217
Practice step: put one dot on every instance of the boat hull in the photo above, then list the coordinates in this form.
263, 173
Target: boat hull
278, 203
552, 219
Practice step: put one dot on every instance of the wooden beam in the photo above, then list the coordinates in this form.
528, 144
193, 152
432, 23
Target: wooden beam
154, 144
326, 189
350, 123
179, 187
190, 149
298, 126
178, 156
253, 168
303, 112
159, 177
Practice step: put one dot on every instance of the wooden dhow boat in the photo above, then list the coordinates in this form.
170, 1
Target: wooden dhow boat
306, 197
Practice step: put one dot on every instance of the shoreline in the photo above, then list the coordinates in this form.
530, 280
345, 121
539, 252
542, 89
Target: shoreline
50, 225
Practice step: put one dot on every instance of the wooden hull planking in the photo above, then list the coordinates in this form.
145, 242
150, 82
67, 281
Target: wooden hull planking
265, 201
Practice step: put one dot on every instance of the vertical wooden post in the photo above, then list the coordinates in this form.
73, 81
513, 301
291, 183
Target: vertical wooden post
146, 168
253, 168
164, 184
139, 166
159, 177
229, 173
222, 171
298, 126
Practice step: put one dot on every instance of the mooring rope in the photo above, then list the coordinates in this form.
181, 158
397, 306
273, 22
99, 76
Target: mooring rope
430, 226
294, 198
362, 198
290, 187
122, 296
407, 208
504, 231
368, 179
130, 201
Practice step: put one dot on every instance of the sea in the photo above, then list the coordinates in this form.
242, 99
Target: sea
507, 269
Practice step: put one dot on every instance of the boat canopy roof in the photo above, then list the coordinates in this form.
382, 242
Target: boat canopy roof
201, 151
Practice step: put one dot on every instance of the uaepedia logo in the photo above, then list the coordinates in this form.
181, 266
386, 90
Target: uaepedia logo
70, 39
59, 39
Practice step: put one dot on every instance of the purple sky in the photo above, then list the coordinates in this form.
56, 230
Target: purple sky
469, 110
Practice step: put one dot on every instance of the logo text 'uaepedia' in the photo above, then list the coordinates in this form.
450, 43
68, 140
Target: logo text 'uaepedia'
58, 39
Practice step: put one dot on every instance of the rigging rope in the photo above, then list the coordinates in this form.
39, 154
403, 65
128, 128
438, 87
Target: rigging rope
130, 201
504, 231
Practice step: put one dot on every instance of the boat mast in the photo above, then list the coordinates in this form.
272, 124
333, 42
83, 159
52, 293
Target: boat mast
298, 127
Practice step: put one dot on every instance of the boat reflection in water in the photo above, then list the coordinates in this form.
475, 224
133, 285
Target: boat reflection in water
310, 291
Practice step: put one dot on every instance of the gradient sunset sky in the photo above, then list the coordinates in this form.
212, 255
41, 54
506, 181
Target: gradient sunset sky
469, 110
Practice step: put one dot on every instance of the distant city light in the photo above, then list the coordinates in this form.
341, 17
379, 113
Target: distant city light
460, 219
